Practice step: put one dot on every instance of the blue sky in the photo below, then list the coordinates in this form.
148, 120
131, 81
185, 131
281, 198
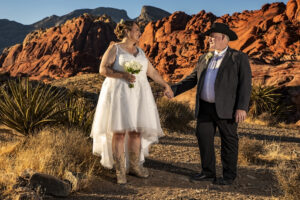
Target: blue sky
30, 11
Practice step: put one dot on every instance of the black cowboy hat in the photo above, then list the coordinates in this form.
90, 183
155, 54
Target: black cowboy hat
222, 28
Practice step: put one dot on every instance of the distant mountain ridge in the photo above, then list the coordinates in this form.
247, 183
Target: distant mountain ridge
150, 13
54, 20
12, 32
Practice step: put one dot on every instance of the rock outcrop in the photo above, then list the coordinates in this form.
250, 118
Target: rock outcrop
293, 11
270, 35
12, 32
74, 47
175, 43
150, 13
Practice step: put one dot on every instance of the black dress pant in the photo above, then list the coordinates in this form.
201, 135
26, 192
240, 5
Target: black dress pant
207, 122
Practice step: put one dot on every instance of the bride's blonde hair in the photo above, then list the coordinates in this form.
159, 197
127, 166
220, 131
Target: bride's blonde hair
122, 27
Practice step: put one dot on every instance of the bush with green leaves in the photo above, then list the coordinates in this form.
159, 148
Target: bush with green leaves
174, 115
78, 113
26, 106
266, 99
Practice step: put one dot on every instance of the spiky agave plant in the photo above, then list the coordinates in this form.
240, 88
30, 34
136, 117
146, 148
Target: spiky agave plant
78, 113
25, 106
265, 99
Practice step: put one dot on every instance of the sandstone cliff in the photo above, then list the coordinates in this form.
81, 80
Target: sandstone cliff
74, 47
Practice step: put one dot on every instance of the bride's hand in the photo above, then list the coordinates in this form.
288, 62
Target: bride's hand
129, 77
168, 92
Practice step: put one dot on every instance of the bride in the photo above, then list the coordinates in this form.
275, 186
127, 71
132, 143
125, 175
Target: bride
126, 121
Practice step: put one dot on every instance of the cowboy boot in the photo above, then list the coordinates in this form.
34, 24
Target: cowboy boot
120, 168
135, 167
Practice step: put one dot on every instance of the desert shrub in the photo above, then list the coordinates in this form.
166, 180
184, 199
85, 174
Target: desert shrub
78, 113
288, 177
258, 152
26, 106
174, 115
51, 151
249, 150
266, 99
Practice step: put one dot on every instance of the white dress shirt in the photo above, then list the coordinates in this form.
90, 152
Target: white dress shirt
208, 90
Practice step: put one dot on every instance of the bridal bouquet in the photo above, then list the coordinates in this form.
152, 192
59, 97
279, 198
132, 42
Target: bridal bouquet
132, 67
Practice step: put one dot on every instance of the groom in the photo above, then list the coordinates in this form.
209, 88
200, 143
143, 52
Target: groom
223, 79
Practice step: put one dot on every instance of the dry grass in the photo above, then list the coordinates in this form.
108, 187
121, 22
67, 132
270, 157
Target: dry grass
263, 153
86, 82
284, 161
249, 149
265, 122
288, 177
51, 151
274, 153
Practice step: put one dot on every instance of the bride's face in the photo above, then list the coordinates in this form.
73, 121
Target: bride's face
134, 34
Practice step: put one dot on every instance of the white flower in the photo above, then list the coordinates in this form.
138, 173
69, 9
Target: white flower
208, 56
132, 67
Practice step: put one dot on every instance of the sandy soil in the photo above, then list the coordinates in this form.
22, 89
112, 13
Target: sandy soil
176, 157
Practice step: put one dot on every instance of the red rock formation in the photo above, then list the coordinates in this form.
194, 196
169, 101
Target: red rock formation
74, 47
174, 43
266, 34
293, 11
270, 36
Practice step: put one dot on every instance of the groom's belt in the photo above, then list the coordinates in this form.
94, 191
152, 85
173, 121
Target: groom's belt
205, 102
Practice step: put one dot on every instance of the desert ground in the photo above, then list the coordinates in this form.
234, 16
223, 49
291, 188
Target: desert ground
268, 161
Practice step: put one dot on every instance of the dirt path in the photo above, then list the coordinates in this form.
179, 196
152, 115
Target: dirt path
176, 157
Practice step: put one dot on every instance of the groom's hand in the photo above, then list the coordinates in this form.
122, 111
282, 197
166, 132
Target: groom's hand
240, 116
168, 92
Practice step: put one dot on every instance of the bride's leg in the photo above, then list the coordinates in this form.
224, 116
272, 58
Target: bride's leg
134, 142
119, 156
134, 150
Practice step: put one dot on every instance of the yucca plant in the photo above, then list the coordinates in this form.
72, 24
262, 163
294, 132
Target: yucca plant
78, 113
265, 99
25, 106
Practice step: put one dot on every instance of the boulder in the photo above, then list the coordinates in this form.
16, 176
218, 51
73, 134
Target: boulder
50, 185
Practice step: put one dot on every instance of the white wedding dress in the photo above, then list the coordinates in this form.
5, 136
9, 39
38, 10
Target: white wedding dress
123, 109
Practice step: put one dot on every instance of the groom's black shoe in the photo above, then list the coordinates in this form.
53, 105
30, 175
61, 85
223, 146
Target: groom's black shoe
202, 177
222, 181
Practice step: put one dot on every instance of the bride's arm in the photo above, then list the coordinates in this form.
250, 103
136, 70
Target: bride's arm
107, 62
155, 76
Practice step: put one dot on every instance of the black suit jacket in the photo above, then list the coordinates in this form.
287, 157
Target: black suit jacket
232, 85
